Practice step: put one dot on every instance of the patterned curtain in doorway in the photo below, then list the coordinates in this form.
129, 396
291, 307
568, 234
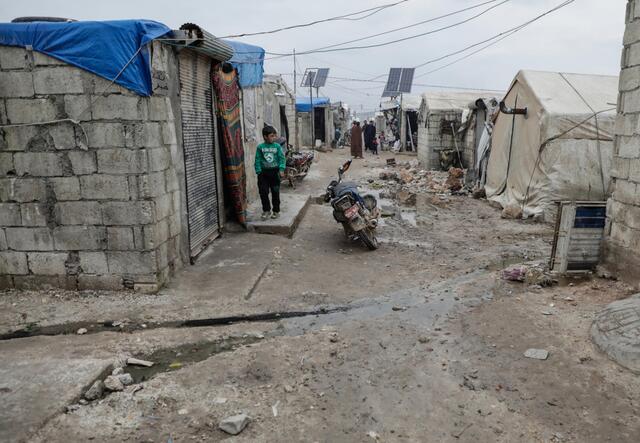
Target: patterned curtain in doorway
225, 82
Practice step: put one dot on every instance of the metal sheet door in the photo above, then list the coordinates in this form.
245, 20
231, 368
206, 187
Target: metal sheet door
198, 137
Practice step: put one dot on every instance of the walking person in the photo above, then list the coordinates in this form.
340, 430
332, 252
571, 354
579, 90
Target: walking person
356, 140
370, 136
270, 164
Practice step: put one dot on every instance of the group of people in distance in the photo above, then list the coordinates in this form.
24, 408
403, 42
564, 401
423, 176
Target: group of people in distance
366, 133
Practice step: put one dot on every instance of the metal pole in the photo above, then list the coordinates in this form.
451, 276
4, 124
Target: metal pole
313, 117
295, 95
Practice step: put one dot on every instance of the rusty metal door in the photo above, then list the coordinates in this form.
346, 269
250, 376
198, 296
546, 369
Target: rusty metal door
198, 137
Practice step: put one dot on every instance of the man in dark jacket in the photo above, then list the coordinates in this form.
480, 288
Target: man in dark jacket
369, 135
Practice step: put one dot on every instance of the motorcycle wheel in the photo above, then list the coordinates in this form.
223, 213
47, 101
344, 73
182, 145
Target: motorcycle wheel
369, 239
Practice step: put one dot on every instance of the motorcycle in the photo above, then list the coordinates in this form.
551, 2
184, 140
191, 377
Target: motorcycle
358, 214
298, 163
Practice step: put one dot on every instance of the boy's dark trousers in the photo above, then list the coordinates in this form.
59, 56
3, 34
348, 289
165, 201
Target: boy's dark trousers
269, 180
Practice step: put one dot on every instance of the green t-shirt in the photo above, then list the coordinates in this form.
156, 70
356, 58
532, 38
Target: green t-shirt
269, 156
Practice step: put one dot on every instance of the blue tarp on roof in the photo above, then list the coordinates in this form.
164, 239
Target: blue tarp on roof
102, 48
249, 61
304, 105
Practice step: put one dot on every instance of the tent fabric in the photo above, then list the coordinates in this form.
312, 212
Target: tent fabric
410, 102
249, 61
304, 105
454, 100
100, 47
559, 150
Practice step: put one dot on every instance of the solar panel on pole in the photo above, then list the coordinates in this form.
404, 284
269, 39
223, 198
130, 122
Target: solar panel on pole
307, 80
406, 80
393, 82
321, 78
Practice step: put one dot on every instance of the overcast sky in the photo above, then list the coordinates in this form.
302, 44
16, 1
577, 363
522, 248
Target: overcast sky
584, 37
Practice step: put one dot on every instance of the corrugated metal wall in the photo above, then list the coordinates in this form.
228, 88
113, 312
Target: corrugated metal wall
196, 101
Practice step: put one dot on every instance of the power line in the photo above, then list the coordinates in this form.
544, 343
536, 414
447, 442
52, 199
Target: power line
371, 11
378, 45
501, 36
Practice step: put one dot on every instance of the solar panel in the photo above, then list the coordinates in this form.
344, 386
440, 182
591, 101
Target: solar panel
309, 76
321, 78
406, 80
393, 82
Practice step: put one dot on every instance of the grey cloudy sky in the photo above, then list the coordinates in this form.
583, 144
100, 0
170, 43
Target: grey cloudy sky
585, 36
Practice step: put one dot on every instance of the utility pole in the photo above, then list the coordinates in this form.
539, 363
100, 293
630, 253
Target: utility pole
313, 116
295, 96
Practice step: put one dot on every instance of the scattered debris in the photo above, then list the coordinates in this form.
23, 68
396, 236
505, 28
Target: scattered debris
537, 354
374, 435
406, 198
235, 424
117, 371
333, 337
399, 308
82, 331
219, 400
274, 408
72, 408
113, 383
95, 391
454, 181
512, 212
514, 273
391, 161
288, 389
423, 339
183, 411
137, 362
479, 194
125, 379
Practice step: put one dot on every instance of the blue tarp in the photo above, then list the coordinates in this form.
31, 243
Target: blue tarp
249, 61
304, 105
102, 48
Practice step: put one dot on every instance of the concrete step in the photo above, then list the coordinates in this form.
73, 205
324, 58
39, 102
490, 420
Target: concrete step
292, 210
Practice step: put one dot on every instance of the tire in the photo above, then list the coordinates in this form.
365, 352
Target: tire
369, 239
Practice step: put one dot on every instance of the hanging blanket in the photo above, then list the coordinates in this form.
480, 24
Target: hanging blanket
228, 103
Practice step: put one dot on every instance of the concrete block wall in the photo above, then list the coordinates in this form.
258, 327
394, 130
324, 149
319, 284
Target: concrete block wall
94, 205
431, 141
622, 244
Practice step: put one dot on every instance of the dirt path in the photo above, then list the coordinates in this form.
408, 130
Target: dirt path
427, 344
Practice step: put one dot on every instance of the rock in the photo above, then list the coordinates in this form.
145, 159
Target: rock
538, 354
512, 212
81, 331
113, 383
479, 194
333, 337
125, 379
183, 412
95, 391
288, 389
374, 435
423, 339
138, 362
398, 308
406, 198
72, 408
515, 273
83, 402
536, 276
235, 424
219, 401
406, 177
117, 371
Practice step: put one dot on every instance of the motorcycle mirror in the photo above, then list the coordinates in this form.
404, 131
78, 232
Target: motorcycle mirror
346, 166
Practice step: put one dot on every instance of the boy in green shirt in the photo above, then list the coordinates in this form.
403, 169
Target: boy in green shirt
270, 165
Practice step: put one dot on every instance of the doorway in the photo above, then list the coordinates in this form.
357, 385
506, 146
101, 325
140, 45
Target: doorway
319, 125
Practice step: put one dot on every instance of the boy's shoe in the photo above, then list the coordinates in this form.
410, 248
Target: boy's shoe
275, 215
265, 215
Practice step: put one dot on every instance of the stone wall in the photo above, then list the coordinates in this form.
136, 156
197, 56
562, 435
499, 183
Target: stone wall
622, 245
89, 205
431, 141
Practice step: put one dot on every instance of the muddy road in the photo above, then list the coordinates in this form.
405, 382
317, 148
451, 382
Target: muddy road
419, 341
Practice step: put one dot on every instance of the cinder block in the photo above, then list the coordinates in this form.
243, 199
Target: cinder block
94, 263
138, 238
14, 263
118, 107
156, 234
19, 138
634, 170
104, 187
159, 159
78, 107
127, 213
104, 134
169, 136
631, 102
10, 214
80, 238
3, 113
47, 263
171, 180
100, 282
13, 57
83, 162
120, 239
632, 33
131, 263
159, 108
29, 239
164, 206
40, 59
34, 214
66, 188
41, 282
162, 256
16, 84
33, 110
63, 135
151, 185
122, 161
174, 224
6, 282
79, 213
58, 80
143, 135
629, 147
6, 163
3, 241
38, 164
22, 189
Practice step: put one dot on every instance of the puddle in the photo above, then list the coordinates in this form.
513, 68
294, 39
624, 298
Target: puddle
173, 359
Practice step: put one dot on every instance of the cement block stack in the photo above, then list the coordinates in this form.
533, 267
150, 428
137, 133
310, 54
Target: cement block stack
92, 205
622, 248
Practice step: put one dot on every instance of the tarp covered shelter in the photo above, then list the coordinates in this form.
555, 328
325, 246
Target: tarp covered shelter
303, 104
249, 61
561, 149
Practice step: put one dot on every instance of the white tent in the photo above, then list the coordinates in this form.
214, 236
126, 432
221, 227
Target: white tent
561, 149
